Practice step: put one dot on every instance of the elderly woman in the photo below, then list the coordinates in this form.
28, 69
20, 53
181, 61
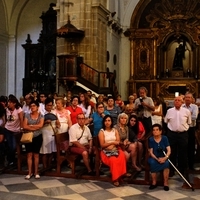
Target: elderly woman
33, 122
129, 147
157, 160
63, 116
111, 154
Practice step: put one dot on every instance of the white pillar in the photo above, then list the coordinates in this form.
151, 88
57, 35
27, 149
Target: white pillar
11, 70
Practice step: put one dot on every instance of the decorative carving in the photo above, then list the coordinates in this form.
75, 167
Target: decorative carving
172, 23
143, 49
168, 89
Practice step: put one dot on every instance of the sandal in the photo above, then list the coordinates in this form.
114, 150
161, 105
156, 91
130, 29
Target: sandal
27, 177
128, 174
37, 176
116, 183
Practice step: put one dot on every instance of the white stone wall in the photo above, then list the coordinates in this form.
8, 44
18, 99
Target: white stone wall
121, 46
22, 18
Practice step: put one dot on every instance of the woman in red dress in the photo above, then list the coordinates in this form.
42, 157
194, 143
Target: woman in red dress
111, 154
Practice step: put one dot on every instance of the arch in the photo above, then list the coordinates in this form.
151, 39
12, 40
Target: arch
4, 18
128, 12
15, 16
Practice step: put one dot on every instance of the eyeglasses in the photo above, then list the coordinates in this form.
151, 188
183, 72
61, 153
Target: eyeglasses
10, 118
100, 107
81, 118
42, 96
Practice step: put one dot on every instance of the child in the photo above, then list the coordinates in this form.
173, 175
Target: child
158, 161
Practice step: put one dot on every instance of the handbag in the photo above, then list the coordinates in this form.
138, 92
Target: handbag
112, 152
27, 137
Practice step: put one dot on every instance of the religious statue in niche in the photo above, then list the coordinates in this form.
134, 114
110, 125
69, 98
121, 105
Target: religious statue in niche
179, 56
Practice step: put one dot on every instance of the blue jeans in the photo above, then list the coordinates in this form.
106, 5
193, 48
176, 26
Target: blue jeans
11, 142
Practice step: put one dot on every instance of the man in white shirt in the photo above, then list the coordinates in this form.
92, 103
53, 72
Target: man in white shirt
81, 139
191, 131
178, 120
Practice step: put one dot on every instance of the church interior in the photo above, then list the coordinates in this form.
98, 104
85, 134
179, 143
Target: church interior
109, 47
106, 46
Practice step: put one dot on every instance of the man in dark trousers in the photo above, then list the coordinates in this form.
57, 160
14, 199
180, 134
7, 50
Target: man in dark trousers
191, 131
178, 120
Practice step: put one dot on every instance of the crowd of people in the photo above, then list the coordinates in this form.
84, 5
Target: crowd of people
122, 129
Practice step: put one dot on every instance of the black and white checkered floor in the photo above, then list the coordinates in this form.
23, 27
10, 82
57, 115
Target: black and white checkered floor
15, 187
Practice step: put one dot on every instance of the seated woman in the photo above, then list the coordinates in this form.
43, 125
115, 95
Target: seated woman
63, 116
136, 134
111, 154
130, 107
158, 161
33, 122
97, 118
129, 148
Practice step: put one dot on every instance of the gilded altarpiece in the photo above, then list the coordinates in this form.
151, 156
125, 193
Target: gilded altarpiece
165, 53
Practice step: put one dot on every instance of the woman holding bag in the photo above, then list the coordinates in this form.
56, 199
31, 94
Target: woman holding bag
33, 122
111, 154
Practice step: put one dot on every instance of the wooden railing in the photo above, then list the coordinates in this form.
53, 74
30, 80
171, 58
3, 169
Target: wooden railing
99, 82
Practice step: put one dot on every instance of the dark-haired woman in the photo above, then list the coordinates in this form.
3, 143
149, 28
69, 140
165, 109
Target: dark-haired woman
85, 105
33, 122
74, 109
158, 161
111, 154
13, 126
112, 109
97, 118
136, 134
49, 129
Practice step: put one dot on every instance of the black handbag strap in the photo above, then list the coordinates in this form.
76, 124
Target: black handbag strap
81, 134
53, 129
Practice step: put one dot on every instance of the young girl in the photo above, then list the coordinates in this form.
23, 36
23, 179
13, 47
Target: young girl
158, 161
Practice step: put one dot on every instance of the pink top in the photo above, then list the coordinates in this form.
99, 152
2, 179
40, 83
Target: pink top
13, 121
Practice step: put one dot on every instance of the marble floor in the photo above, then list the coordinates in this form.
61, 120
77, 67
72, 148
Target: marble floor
15, 187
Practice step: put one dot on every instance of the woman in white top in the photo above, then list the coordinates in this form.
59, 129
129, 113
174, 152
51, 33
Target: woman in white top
157, 114
111, 154
85, 104
63, 116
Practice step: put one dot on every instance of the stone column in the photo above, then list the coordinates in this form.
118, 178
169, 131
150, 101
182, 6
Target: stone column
11, 70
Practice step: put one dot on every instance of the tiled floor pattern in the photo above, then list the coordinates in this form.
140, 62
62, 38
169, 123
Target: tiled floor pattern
15, 187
